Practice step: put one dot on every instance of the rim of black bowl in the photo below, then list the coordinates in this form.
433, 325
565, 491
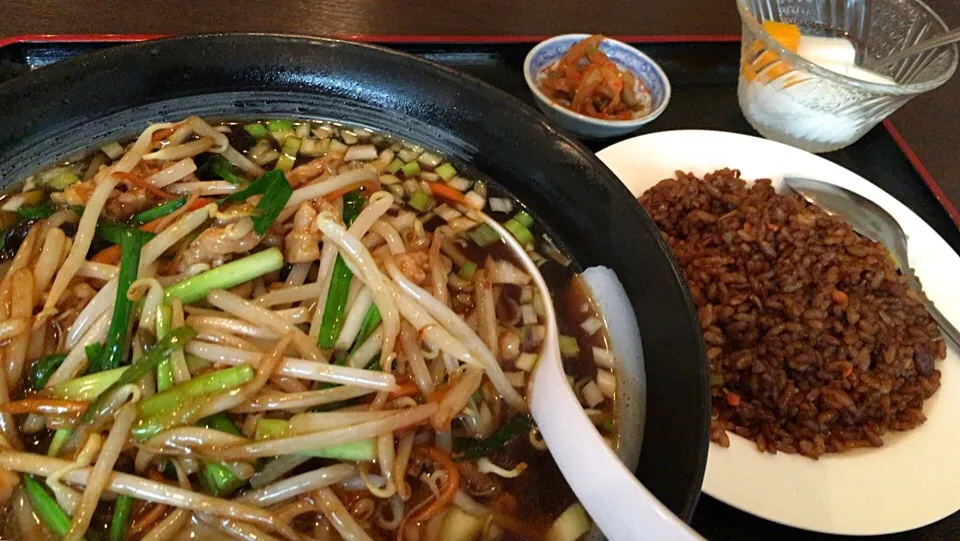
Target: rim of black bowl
69, 106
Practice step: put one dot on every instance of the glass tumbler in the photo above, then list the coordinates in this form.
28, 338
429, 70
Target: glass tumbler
789, 99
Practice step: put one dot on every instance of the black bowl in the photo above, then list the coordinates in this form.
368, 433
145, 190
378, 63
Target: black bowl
66, 107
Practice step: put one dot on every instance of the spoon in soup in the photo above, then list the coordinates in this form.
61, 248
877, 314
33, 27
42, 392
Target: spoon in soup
618, 504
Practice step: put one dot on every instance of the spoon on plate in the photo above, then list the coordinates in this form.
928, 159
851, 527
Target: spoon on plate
618, 504
871, 221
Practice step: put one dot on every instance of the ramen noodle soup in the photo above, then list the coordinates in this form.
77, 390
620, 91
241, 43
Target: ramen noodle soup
280, 330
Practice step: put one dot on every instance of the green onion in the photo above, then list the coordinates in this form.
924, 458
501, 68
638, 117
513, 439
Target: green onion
395, 166
87, 387
291, 145
420, 201
36, 212
220, 421
93, 351
200, 386
218, 478
225, 170
483, 235
226, 276
335, 308
516, 426
196, 364
173, 407
523, 218
279, 125
121, 518
164, 369
59, 438
45, 506
61, 180
411, 169
42, 369
256, 130
148, 363
445, 171
716, 380
569, 346
113, 232
159, 211
269, 429
466, 270
275, 189
369, 324
521, 233
359, 451
118, 337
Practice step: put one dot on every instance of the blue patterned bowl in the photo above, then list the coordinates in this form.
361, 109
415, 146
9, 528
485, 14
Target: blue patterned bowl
626, 57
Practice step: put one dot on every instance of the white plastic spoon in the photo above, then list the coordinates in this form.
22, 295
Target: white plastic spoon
619, 505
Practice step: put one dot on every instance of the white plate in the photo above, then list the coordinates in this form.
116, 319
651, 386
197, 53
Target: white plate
914, 479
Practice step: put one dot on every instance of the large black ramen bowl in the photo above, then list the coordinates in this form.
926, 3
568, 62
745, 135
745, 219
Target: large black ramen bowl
67, 107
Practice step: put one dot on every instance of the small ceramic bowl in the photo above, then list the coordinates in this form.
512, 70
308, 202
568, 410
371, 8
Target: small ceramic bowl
626, 57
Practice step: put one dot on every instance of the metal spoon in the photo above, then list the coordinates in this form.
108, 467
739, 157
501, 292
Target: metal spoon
619, 505
939, 41
871, 221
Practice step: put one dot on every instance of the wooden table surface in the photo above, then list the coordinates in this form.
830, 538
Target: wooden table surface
924, 122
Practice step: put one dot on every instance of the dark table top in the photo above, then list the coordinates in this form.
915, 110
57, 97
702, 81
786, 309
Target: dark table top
924, 122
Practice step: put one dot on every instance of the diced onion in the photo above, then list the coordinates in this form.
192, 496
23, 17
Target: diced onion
361, 153
407, 155
323, 132
459, 183
389, 180
475, 200
528, 314
607, 383
591, 325
526, 294
429, 160
429, 177
517, 379
591, 394
499, 204
348, 137
447, 212
571, 525
526, 361
112, 150
603, 358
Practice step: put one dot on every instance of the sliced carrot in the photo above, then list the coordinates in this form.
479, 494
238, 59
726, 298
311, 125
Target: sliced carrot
447, 192
733, 399
407, 388
54, 406
370, 186
160, 135
134, 180
109, 255
447, 493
